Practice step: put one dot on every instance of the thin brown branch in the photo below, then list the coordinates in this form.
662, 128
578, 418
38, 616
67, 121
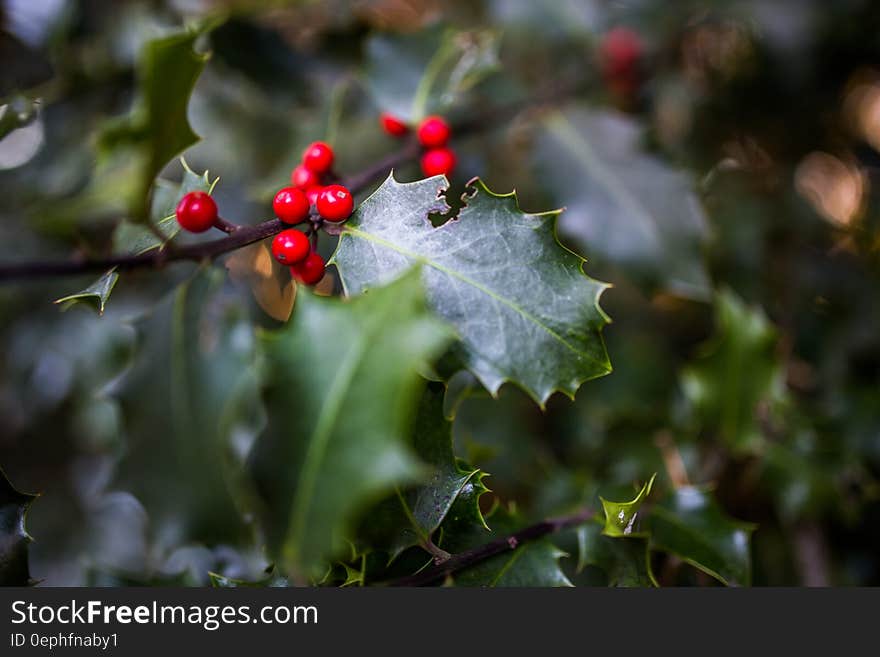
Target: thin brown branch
508, 543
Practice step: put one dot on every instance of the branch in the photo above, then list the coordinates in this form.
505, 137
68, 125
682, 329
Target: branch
238, 237
481, 553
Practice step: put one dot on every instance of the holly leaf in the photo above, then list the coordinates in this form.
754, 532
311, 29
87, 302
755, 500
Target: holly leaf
342, 387
735, 373
95, 294
692, 526
411, 75
530, 564
620, 517
624, 206
14, 538
426, 506
413, 514
520, 302
626, 563
188, 405
157, 128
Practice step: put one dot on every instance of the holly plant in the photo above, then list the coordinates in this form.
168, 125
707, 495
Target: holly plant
305, 331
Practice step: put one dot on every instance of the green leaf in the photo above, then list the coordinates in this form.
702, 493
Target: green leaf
620, 517
95, 294
734, 373
158, 128
423, 73
14, 538
341, 391
692, 526
191, 391
427, 505
533, 563
522, 306
411, 515
624, 206
626, 563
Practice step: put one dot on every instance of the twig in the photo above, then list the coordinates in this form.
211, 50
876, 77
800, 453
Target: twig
237, 236
240, 236
478, 554
156, 258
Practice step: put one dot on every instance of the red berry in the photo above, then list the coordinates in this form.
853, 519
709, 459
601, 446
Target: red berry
304, 178
433, 132
438, 161
313, 194
335, 203
310, 270
620, 52
291, 205
392, 125
290, 246
318, 157
196, 212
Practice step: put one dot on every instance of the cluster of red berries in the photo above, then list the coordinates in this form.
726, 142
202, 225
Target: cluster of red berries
433, 134
308, 199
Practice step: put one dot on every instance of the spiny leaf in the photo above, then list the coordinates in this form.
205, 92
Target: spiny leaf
521, 303
95, 294
626, 563
692, 526
734, 373
625, 206
427, 505
190, 390
341, 390
620, 517
354, 576
158, 128
411, 515
14, 538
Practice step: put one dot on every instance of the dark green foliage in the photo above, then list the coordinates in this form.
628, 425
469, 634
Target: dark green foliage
182, 435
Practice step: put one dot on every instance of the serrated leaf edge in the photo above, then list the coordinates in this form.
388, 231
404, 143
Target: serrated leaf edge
539, 397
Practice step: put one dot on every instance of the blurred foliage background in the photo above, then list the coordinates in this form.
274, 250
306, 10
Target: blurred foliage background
725, 187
